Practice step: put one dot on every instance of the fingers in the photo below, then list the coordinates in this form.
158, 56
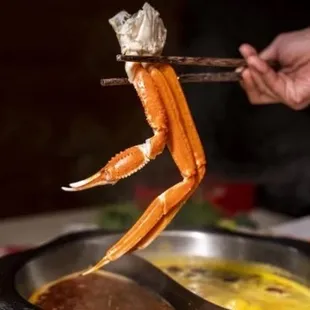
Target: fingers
266, 73
254, 92
263, 85
258, 91
267, 86
260, 83
247, 50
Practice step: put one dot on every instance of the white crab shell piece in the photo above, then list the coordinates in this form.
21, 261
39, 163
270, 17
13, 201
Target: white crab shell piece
142, 33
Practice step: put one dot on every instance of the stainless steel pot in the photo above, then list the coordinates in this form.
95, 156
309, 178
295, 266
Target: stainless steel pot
23, 273
285, 254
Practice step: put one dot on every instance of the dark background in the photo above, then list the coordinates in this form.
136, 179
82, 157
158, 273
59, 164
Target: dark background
57, 124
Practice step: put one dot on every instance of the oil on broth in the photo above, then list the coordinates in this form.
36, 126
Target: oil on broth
96, 291
237, 286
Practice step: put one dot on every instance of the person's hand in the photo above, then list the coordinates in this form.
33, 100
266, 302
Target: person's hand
291, 84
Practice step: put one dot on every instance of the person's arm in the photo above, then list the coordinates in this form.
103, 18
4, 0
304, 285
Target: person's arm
291, 84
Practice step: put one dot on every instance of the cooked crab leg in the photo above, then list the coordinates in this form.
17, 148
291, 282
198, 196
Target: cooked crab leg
188, 121
167, 112
134, 158
163, 209
195, 144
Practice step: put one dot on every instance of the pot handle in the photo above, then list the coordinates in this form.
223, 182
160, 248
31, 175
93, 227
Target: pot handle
9, 298
10, 262
300, 245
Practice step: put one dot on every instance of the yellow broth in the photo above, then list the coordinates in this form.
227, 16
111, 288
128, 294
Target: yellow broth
237, 286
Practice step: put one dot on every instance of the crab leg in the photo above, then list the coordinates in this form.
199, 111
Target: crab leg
196, 146
170, 118
163, 209
134, 158
188, 121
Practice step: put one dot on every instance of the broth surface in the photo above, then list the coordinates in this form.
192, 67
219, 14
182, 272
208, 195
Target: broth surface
237, 286
97, 291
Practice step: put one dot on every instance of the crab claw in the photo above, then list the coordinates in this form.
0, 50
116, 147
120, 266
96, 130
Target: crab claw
95, 180
123, 164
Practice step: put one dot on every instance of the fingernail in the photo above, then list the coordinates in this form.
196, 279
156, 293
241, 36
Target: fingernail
239, 69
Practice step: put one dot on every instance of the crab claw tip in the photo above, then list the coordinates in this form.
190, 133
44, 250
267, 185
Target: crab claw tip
68, 189
96, 267
79, 183
90, 182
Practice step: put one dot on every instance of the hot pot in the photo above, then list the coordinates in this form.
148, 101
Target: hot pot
25, 272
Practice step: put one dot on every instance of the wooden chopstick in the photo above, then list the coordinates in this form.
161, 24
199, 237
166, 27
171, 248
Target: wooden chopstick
188, 61
184, 60
184, 78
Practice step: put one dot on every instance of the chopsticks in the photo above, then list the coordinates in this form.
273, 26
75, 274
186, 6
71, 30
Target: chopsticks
184, 78
191, 61
187, 61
